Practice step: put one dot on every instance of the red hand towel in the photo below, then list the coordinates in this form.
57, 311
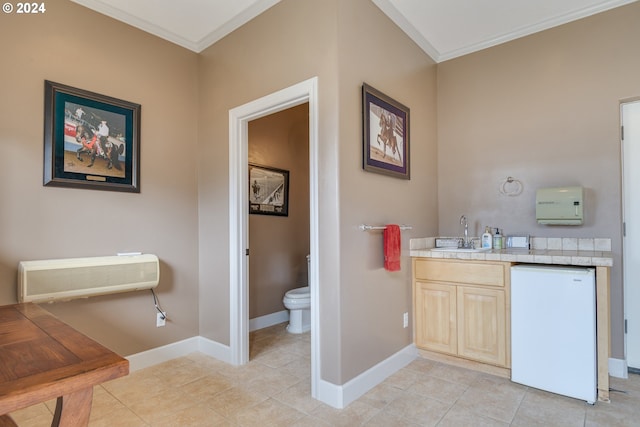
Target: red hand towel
392, 247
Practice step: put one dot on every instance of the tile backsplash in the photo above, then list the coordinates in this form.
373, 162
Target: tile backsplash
571, 244
541, 243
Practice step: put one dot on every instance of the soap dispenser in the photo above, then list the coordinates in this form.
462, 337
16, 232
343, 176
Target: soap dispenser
497, 240
487, 238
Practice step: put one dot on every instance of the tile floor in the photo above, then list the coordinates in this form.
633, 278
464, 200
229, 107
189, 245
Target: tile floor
273, 389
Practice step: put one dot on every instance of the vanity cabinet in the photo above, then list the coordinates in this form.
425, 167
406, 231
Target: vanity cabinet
482, 328
461, 309
435, 317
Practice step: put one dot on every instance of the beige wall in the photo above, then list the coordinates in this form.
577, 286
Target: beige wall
545, 110
72, 45
361, 305
289, 43
372, 301
279, 245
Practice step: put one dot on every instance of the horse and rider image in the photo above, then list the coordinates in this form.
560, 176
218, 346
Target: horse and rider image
387, 137
98, 145
388, 144
89, 135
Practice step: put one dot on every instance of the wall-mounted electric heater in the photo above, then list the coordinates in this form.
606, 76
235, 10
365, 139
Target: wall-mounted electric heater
66, 279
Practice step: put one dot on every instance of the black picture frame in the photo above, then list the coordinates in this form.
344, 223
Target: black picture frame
77, 153
268, 190
385, 123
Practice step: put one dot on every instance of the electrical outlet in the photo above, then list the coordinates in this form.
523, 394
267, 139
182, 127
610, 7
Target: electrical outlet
405, 320
161, 319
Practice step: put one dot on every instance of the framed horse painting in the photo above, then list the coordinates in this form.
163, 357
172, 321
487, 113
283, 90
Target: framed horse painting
385, 124
90, 140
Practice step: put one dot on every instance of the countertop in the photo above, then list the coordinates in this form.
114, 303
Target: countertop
560, 251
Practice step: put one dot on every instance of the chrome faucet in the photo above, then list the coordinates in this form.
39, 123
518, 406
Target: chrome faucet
463, 221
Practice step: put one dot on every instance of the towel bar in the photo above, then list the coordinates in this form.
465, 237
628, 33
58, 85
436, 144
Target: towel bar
365, 227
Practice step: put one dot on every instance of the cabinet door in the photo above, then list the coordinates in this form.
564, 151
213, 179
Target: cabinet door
482, 324
435, 314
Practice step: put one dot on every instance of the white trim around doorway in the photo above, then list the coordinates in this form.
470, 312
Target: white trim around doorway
239, 117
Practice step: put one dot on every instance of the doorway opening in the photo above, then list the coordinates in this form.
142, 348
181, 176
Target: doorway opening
239, 118
279, 234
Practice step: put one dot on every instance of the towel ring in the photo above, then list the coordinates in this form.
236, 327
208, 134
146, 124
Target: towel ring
511, 187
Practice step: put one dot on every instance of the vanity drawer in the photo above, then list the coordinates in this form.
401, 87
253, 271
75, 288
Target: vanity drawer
471, 272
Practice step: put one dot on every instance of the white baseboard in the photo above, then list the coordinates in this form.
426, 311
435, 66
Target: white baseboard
330, 394
178, 349
162, 354
268, 320
214, 349
339, 396
618, 368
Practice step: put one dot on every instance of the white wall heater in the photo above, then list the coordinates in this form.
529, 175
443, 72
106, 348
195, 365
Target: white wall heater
67, 279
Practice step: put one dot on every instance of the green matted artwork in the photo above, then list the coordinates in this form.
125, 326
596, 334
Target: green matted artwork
90, 140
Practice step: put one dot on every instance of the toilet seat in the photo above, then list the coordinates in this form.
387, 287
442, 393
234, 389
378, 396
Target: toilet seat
303, 292
298, 297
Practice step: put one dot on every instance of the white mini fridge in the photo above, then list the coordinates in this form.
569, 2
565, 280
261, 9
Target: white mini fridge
553, 329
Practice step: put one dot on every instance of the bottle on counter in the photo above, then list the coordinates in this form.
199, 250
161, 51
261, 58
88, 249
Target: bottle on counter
497, 240
486, 242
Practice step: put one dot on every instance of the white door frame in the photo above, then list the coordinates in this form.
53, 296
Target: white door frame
239, 117
627, 263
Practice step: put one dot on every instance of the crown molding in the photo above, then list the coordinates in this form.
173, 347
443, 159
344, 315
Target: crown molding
235, 22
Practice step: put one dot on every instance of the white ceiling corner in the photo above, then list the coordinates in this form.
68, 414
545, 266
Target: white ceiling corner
447, 29
192, 24
405, 25
443, 29
252, 10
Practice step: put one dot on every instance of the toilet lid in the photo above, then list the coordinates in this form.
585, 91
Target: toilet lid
298, 293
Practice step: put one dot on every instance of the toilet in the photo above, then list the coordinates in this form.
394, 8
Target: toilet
298, 302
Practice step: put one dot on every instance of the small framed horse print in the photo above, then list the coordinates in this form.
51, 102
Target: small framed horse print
90, 140
385, 124
268, 191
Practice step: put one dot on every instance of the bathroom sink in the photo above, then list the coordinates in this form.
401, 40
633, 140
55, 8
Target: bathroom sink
460, 249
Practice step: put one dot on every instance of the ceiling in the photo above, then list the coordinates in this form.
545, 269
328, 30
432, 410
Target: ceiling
444, 29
